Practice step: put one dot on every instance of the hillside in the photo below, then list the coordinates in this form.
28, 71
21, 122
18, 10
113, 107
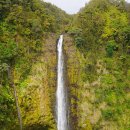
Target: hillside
24, 27
97, 65
101, 33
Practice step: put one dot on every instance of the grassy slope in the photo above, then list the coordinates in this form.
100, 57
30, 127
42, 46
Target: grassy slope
38, 90
99, 89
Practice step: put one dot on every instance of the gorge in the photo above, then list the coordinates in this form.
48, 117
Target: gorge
80, 81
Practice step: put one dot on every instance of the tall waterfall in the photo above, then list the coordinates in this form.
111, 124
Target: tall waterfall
62, 116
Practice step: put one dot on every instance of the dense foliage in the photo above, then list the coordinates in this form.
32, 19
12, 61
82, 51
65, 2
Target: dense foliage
24, 27
102, 23
98, 64
101, 32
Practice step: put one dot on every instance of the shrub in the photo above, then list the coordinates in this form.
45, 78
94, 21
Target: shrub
111, 47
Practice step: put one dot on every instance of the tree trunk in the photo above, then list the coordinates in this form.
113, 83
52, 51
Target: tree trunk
12, 85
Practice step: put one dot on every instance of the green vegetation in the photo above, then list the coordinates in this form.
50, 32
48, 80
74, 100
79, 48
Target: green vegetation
24, 27
101, 32
97, 47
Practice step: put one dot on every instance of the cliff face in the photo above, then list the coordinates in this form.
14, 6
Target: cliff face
75, 69
72, 63
37, 98
98, 89
95, 90
28, 62
38, 102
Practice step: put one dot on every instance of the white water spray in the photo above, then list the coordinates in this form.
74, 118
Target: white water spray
62, 123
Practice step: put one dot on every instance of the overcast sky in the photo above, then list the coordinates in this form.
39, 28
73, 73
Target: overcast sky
70, 6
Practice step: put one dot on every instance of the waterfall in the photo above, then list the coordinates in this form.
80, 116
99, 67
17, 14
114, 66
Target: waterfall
61, 95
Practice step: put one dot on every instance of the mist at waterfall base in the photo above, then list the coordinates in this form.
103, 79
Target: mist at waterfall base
61, 94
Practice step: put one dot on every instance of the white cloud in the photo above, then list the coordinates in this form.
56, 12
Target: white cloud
70, 6
128, 1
